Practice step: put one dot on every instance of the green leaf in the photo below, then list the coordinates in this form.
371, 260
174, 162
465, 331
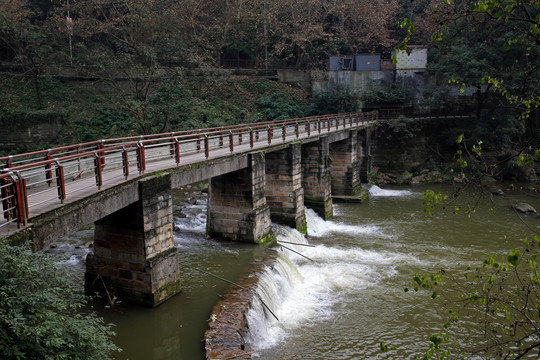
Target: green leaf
514, 257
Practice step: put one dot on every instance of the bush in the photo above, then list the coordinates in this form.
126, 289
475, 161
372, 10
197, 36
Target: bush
385, 95
279, 106
42, 315
339, 101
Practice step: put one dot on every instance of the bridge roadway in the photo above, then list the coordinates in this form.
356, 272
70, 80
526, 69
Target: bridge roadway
73, 175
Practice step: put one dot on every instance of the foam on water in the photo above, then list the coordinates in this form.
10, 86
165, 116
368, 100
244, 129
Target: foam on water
374, 190
300, 291
318, 227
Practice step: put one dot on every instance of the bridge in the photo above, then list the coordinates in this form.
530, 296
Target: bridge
258, 173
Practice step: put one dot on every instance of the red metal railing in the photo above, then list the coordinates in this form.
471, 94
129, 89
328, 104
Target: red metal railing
31, 180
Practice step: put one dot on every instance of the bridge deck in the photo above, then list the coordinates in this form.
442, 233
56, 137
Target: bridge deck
44, 199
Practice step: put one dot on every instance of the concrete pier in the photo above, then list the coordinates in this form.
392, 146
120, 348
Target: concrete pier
284, 192
237, 208
134, 255
316, 177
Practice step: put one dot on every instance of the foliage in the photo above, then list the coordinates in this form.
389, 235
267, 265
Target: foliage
382, 95
279, 106
340, 100
42, 315
28, 38
402, 127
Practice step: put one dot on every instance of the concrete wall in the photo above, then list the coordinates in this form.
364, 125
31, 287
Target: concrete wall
354, 80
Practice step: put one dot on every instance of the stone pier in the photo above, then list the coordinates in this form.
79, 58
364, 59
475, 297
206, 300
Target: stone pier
237, 208
134, 254
316, 177
284, 192
364, 153
345, 168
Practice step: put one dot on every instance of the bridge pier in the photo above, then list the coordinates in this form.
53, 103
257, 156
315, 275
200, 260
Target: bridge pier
237, 208
284, 192
364, 153
316, 177
134, 253
346, 164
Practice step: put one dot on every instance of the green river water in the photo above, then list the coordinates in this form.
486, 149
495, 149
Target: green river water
347, 300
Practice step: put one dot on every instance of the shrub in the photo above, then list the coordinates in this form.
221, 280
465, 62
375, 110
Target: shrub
339, 101
42, 314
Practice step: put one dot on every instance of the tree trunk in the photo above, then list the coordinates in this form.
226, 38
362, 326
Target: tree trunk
37, 89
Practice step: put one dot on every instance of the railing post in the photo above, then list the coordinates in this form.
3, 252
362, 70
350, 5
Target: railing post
239, 136
257, 134
319, 125
61, 182
296, 129
100, 147
337, 122
177, 150
9, 162
251, 138
269, 135
141, 161
308, 127
98, 170
48, 168
22, 200
231, 141
172, 145
221, 138
283, 131
198, 142
329, 120
15, 198
125, 162
206, 146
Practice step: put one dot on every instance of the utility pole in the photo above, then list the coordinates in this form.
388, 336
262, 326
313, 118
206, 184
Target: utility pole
265, 36
69, 23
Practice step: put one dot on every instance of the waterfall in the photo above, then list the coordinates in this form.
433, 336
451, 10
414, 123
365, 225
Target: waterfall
276, 283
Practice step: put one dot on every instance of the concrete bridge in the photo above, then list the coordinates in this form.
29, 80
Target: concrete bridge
258, 173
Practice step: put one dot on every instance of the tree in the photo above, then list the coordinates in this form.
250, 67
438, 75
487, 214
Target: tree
29, 35
496, 312
130, 46
42, 314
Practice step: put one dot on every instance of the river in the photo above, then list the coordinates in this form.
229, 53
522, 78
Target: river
342, 301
